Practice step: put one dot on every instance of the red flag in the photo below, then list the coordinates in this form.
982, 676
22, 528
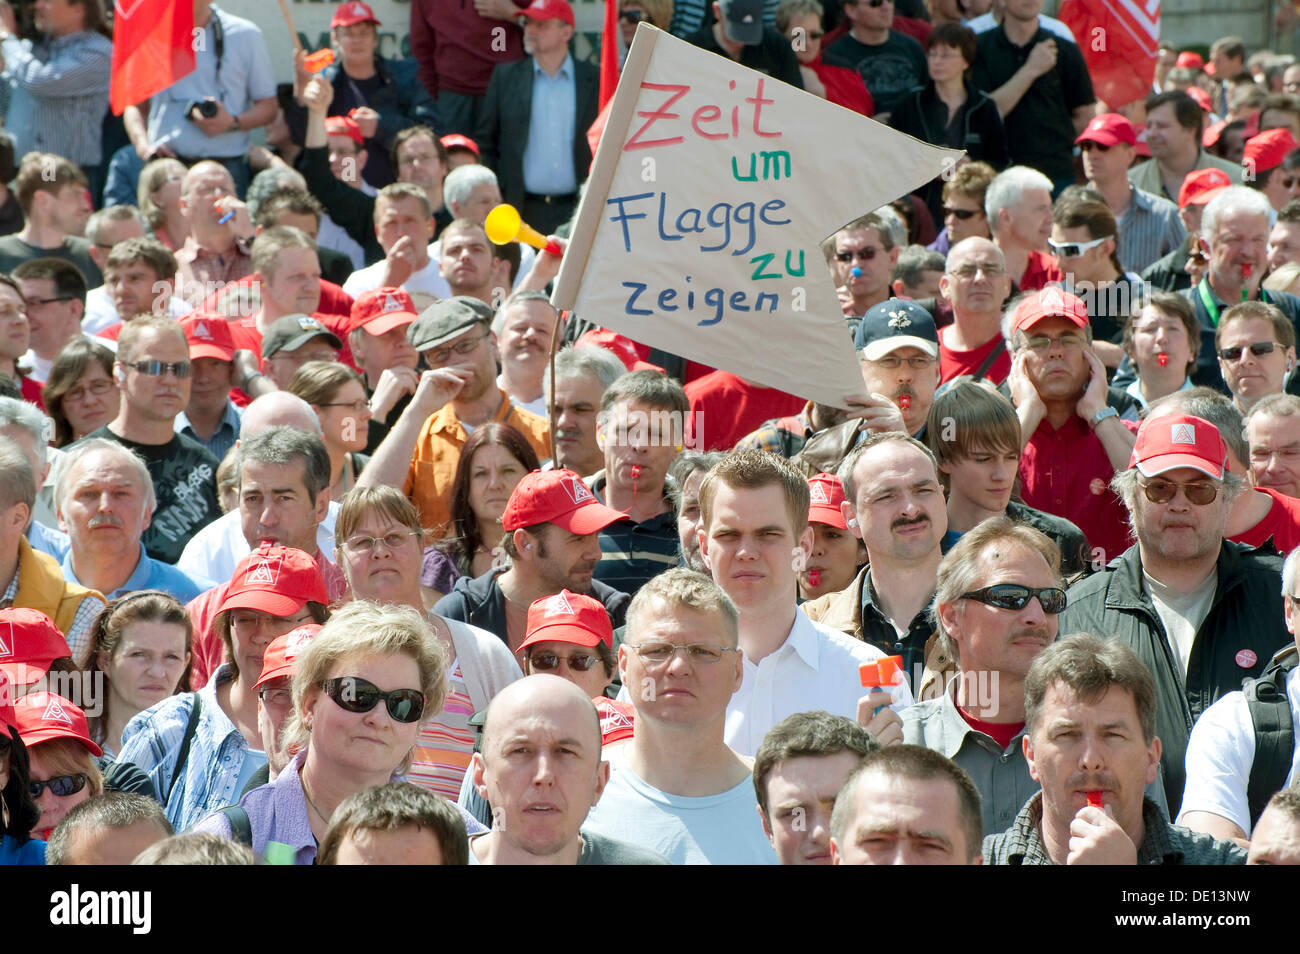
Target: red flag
153, 47
609, 53
1118, 39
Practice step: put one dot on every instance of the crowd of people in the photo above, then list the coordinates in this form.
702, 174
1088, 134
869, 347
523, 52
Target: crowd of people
325, 539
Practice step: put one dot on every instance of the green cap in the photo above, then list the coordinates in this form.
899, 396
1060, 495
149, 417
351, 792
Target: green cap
445, 319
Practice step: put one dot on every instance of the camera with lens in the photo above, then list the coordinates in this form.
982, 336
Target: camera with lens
207, 108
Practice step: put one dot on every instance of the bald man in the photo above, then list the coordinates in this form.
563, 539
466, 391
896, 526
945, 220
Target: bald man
540, 769
975, 283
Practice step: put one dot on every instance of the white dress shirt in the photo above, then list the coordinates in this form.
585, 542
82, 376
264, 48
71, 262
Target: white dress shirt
215, 551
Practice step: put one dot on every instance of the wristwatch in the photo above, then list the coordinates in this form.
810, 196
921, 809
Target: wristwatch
1101, 415
234, 123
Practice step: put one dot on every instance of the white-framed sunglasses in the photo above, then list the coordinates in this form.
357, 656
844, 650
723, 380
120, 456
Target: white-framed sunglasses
1075, 249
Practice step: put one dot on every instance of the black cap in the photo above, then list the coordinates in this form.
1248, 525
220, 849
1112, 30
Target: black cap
293, 331
445, 319
893, 324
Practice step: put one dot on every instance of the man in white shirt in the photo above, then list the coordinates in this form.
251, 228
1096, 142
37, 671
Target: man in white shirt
524, 327
754, 537
676, 787
403, 226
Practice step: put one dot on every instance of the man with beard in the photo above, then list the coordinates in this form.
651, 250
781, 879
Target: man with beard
552, 523
422, 450
1200, 612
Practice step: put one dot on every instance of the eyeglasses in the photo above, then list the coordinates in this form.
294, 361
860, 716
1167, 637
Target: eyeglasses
579, 662
1075, 249
354, 694
443, 355
862, 254
61, 785
392, 541
892, 362
1257, 348
970, 271
97, 388
1161, 491
1088, 145
275, 697
1067, 341
815, 34
359, 406
659, 652
631, 16
156, 369
961, 214
1013, 596
252, 619
50, 301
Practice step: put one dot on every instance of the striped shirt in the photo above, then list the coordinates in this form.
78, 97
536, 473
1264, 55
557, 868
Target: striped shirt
1148, 230
58, 94
446, 742
632, 553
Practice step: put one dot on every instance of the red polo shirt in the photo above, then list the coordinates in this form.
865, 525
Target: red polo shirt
1066, 472
1040, 271
725, 408
1282, 523
953, 363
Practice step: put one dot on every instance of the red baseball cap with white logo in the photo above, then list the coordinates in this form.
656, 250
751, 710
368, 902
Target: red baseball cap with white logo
7, 719
459, 141
825, 494
541, 10
381, 310
44, 717
1050, 302
277, 580
281, 657
1108, 130
568, 618
344, 126
1201, 186
352, 12
1168, 442
617, 719
209, 337
621, 347
559, 497
29, 642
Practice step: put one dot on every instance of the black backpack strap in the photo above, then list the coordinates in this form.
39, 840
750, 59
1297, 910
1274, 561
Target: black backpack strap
191, 728
241, 829
990, 359
1270, 716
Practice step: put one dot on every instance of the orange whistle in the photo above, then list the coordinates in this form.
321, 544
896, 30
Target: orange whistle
315, 62
881, 672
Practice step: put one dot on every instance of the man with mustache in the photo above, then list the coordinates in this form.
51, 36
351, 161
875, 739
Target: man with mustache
104, 500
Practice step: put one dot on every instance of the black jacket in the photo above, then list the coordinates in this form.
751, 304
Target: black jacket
505, 115
1245, 618
351, 209
479, 601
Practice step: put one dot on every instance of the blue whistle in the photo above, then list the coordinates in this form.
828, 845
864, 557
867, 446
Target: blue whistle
857, 272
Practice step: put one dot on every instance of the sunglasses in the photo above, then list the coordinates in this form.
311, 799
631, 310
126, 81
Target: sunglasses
1013, 596
60, 785
631, 16
355, 694
579, 662
156, 369
862, 254
1257, 348
1088, 145
1160, 491
960, 214
1075, 249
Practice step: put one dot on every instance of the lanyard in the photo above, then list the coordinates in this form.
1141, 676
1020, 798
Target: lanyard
1212, 307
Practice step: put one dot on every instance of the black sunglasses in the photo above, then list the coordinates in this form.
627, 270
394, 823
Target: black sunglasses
1013, 596
962, 214
360, 695
1257, 348
60, 785
580, 662
1088, 145
632, 16
862, 254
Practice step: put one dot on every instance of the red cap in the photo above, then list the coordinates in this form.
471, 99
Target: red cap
617, 719
1108, 130
29, 642
1190, 59
1201, 186
1168, 442
1050, 302
1140, 140
7, 718
1268, 149
43, 717
275, 579
1212, 133
281, 656
559, 497
568, 618
825, 494
382, 310
547, 10
457, 141
354, 11
1202, 98
344, 126
623, 348
209, 337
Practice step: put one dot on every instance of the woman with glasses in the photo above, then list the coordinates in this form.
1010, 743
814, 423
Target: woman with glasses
80, 395
365, 684
201, 748
141, 645
338, 396
158, 196
62, 756
379, 548
492, 462
19, 813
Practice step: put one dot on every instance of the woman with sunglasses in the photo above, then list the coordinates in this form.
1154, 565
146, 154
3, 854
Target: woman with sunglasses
64, 772
630, 14
19, 813
201, 748
338, 396
492, 462
365, 684
379, 540
80, 395
569, 635
800, 21
140, 644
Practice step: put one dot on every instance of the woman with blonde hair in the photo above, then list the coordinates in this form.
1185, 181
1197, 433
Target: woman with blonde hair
158, 196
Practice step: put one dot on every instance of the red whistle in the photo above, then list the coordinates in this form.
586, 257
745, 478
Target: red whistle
1246, 270
315, 62
905, 401
1162, 359
1094, 799
881, 672
814, 577
636, 471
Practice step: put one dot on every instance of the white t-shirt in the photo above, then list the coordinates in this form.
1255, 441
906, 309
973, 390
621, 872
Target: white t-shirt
1220, 752
985, 22
718, 829
101, 313
215, 551
428, 279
